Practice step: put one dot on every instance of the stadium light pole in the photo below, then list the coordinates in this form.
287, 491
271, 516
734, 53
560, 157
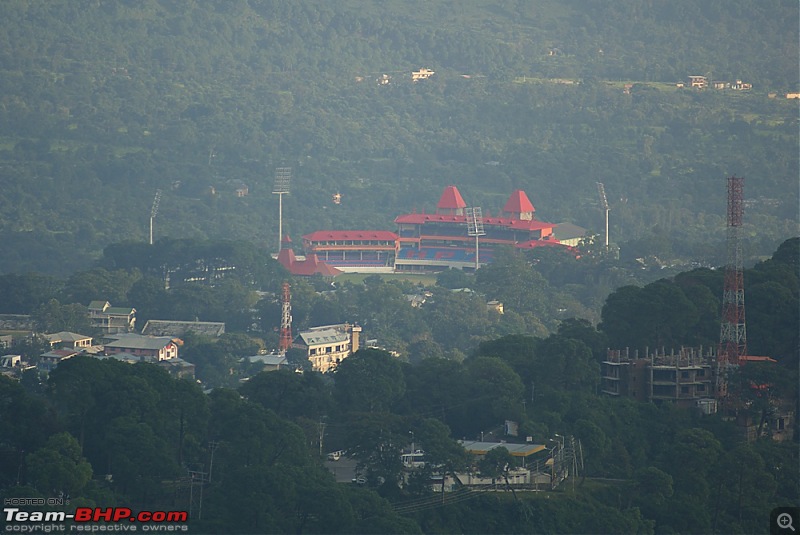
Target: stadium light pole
283, 175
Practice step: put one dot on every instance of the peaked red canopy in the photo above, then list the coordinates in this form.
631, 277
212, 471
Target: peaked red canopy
451, 199
518, 203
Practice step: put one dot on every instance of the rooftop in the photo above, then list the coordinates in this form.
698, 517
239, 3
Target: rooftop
66, 336
518, 224
451, 199
518, 203
326, 235
477, 447
137, 341
267, 360
323, 336
180, 328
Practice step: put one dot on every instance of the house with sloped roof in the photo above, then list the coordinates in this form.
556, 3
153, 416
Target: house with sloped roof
111, 319
68, 340
268, 363
48, 361
569, 234
156, 348
178, 368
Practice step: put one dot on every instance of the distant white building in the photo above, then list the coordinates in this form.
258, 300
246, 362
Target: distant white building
328, 345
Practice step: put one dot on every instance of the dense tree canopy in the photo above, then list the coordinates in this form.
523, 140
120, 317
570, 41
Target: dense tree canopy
105, 104
105, 430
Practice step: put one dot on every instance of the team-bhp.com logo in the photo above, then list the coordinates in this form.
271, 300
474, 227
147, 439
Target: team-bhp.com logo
93, 519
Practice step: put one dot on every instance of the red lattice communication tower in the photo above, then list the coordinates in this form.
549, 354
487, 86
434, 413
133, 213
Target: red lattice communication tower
286, 320
732, 334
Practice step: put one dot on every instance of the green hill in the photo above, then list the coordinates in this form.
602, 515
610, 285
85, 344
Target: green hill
103, 103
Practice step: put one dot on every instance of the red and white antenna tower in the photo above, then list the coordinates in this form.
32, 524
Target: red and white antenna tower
732, 334
286, 320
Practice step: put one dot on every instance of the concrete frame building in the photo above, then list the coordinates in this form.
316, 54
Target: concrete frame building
686, 378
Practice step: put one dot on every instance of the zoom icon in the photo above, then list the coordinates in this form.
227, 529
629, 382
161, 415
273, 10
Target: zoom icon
784, 520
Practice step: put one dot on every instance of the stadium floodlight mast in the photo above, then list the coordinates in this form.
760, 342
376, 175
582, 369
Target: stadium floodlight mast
601, 191
475, 229
283, 176
154, 212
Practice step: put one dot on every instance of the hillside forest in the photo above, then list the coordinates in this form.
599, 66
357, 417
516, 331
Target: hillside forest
102, 104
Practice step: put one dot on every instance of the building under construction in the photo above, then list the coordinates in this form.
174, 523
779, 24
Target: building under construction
686, 378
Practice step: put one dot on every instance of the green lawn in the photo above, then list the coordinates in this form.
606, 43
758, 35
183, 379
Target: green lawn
357, 278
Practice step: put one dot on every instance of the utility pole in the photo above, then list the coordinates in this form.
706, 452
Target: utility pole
321, 430
213, 446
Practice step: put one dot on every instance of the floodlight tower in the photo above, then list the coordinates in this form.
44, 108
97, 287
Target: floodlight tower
154, 212
286, 321
475, 228
283, 175
732, 334
601, 191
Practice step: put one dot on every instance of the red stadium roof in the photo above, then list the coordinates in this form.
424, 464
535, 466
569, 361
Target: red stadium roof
518, 203
520, 224
336, 235
451, 199
312, 266
308, 267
